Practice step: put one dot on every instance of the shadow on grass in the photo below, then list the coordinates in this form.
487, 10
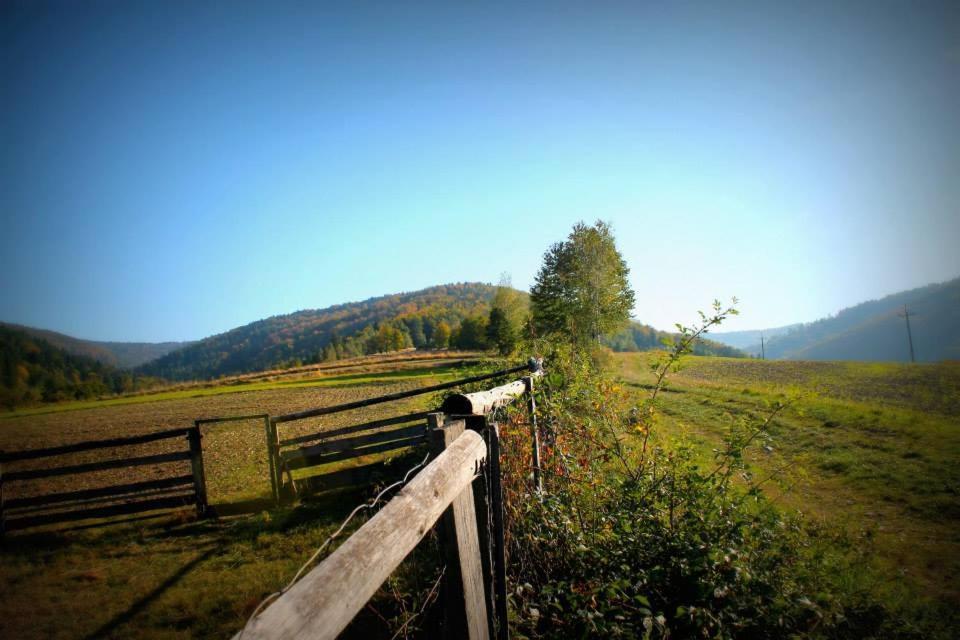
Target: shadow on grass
142, 603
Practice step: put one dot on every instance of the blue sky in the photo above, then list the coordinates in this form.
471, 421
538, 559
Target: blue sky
169, 171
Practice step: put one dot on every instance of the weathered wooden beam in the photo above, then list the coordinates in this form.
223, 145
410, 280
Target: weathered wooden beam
32, 454
346, 444
483, 402
196, 465
324, 602
32, 474
465, 603
273, 458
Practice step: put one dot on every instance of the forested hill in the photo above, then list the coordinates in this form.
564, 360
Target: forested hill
641, 337
124, 355
875, 330
441, 316
33, 370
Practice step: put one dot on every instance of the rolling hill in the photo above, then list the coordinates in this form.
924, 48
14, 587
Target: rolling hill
874, 330
122, 355
446, 315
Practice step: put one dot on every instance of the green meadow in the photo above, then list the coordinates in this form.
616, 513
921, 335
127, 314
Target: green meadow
870, 449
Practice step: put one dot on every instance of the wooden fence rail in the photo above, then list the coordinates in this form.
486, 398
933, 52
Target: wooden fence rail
330, 446
324, 602
121, 499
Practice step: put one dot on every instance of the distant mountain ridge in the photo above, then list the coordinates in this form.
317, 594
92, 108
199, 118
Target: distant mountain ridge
874, 330
122, 355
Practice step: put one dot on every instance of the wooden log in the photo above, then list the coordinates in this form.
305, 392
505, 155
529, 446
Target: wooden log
323, 411
483, 402
196, 465
324, 602
292, 460
32, 454
170, 502
366, 426
114, 492
32, 474
465, 603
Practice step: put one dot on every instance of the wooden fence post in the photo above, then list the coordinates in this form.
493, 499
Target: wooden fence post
481, 500
497, 538
532, 407
273, 457
2, 528
465, 605
196, 463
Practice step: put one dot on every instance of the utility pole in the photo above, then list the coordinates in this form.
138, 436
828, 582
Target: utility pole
906, 316
763, 348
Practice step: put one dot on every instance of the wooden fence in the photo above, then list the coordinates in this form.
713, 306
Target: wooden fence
172, 492
322, 448
461, 489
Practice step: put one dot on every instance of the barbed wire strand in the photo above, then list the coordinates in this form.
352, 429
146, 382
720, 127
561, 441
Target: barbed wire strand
316, 554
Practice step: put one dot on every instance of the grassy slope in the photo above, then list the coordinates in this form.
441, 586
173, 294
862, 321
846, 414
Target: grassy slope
873, 447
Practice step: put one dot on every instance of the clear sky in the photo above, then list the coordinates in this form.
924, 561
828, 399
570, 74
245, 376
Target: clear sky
169, 171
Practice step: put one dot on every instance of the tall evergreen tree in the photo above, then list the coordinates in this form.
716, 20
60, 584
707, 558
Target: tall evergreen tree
582, 288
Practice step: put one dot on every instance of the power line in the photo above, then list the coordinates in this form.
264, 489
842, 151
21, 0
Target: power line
906, 316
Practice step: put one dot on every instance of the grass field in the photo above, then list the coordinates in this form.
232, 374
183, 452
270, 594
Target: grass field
870, 448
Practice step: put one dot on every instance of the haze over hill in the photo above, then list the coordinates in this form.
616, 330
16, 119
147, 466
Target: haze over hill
122, 355
872, 331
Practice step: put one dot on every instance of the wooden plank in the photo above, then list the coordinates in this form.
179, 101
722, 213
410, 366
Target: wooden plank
346, 444
258, 416
196, 466
465, 603
324, 602
32, 454
323, 411
115, 491
366, 426
300, 462
32, 474
170, 502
